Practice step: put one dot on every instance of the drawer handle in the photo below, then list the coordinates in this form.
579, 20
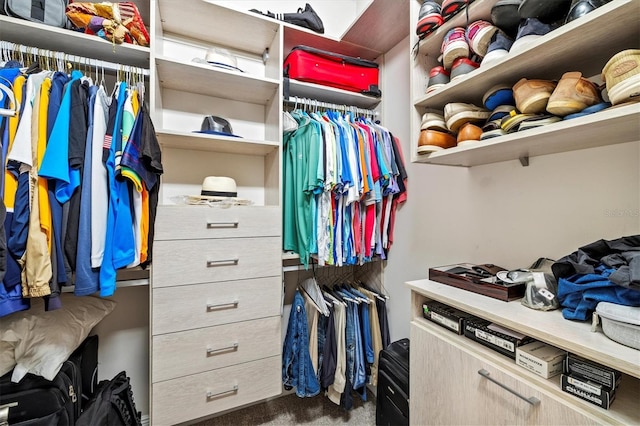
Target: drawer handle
531, 400
211, 395
234, 304
222, 262
213, 225
233, 347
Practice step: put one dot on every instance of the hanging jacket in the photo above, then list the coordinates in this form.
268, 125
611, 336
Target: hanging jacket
297, 368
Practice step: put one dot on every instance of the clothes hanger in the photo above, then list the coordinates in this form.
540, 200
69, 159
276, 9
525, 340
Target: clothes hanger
7, 90
312, 289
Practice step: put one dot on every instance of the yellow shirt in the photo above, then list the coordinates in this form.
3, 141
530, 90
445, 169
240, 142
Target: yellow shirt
11, 181
46, 222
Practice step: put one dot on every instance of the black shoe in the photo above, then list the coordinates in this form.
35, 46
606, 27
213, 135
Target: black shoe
582, 7
268, 14
307, 18
545, 10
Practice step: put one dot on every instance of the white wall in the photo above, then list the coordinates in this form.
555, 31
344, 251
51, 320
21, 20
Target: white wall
123, 342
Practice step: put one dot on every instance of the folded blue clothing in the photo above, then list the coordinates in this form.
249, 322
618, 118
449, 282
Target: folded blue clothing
580, 293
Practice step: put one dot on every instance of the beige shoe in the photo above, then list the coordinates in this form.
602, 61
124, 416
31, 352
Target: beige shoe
433, 121
532, 95
572, 94
622, 75
458, 113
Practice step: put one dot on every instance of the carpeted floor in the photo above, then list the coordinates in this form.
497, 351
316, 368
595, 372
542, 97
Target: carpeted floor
292, 410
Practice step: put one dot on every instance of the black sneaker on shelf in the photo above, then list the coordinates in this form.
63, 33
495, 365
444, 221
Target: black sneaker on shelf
307, 18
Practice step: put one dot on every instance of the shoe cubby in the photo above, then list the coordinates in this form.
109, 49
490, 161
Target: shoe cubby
584, 44
186, 89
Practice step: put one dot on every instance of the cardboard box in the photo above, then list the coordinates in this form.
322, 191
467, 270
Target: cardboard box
494, 337
540, 358
593, 392
445, 316
592, 371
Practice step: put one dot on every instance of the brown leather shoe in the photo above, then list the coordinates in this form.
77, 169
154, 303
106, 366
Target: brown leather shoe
468, 133
433, 140
532, 95
572, 94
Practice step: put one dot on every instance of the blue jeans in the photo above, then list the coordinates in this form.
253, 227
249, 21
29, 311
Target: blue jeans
297, 369
366, 333
350, 347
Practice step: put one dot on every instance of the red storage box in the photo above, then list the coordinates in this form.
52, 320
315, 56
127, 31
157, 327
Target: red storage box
317, 66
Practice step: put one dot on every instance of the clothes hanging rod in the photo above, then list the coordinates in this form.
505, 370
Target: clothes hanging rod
295, 100
6, 46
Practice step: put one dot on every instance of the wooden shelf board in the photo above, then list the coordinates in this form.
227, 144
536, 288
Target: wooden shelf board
382, 25
612, 126
196, 78
547, 326
215, 143
330, 94
576, 46
245, 31
42, 36
295, 36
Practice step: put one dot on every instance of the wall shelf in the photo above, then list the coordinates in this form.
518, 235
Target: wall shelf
330, 94
215, 143
245, 31
608, 127
549, 57
29, 33
196, 78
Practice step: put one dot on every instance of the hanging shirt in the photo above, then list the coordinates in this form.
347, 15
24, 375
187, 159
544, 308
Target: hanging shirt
37, 270
99, 180
55, 164
87, 278
78, 125
120, 251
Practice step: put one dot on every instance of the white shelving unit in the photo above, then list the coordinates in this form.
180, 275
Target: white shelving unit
550, 56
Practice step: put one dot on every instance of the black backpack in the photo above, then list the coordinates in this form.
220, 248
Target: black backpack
112, 405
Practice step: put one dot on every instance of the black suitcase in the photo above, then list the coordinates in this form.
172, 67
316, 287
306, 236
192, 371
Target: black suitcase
393, 385
36, 401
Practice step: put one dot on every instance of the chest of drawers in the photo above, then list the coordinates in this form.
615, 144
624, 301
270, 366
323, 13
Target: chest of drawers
215, 310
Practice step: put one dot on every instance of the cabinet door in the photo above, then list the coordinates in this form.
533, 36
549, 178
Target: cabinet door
446, 389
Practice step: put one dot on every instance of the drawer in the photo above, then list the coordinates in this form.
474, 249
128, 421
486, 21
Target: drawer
209, 348
459, 371
181, 262
191, 397
205, 305
199, 222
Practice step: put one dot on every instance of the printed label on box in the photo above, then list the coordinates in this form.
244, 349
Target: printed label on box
444, 321
497, 341
584, 386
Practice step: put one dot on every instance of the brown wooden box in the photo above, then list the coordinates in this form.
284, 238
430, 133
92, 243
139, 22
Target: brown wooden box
485, 286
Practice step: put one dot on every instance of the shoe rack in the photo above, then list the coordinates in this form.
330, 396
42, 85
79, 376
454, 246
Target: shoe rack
585, 45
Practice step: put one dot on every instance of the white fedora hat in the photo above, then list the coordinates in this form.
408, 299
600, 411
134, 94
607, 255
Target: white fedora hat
218, 188
222, 58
